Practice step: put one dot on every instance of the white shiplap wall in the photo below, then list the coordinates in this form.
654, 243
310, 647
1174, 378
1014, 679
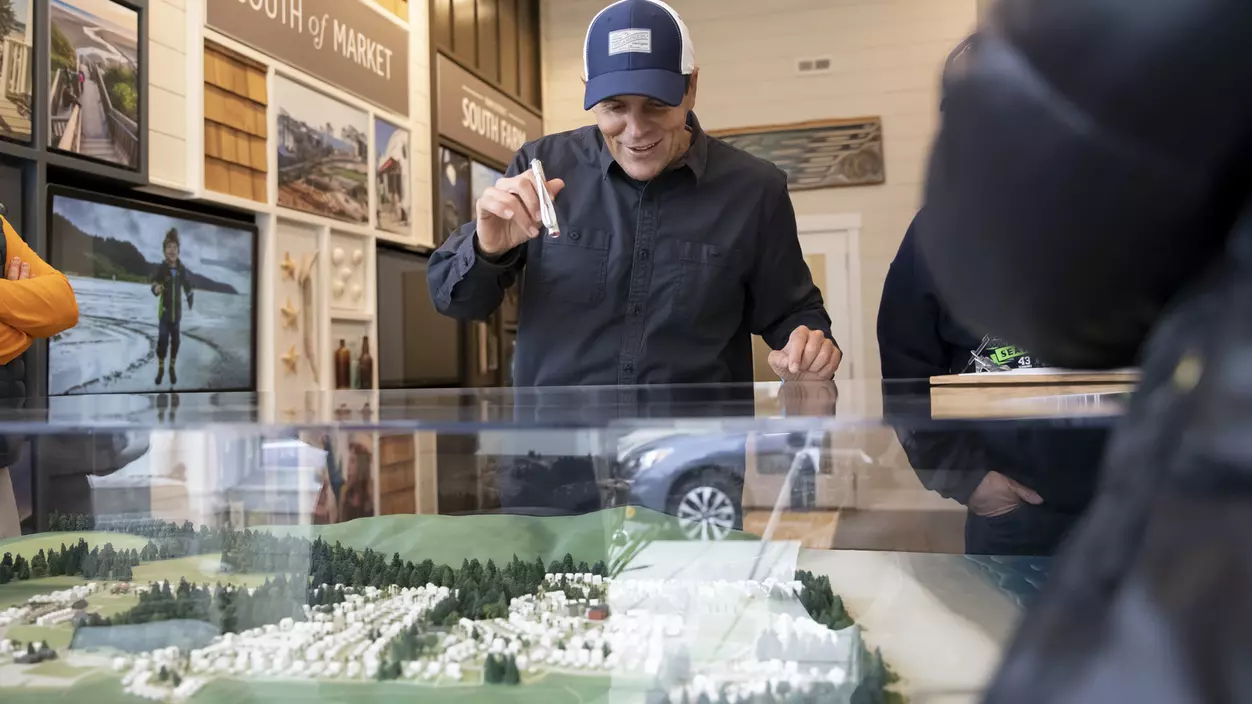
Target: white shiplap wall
168, 31
419, 122
886, 59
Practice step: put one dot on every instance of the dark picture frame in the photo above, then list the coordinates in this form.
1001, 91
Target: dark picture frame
96, 97
137, 205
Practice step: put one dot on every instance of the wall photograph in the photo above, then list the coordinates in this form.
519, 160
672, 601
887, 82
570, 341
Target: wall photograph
93, 103
455, 206
392, 177
165, 298
17, 68
323, 154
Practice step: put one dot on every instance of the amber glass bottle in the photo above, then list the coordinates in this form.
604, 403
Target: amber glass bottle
343, 366
365, 366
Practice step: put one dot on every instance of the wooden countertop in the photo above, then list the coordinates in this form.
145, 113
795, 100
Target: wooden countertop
1019, 394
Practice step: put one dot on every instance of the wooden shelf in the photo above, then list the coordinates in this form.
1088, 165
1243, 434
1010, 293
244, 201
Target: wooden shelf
351, 316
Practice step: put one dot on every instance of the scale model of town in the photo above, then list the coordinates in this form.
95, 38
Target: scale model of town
130, 612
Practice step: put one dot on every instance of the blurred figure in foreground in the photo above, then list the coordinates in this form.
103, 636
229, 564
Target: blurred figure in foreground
36, 301
1093, 169
1024, 484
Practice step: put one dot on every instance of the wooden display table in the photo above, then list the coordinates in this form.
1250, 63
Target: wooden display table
1031, 393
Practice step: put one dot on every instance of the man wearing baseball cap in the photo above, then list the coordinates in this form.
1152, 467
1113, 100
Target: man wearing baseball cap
673, 248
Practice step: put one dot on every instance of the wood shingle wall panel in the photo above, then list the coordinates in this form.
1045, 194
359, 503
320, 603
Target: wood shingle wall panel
235, 124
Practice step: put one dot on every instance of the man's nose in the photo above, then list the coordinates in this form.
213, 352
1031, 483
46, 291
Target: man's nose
635, 127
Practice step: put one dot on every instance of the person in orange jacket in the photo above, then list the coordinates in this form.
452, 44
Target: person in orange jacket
36, 300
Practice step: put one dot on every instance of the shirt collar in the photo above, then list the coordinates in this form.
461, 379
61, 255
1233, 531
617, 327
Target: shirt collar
695, 159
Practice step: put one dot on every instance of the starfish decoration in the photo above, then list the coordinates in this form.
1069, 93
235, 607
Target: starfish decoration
289, 315
288, 266
291, 359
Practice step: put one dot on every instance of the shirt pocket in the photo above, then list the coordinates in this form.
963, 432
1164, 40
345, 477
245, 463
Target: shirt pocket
709, 277
573, 266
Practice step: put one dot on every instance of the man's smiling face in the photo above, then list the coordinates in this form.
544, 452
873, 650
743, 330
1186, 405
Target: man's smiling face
643, 134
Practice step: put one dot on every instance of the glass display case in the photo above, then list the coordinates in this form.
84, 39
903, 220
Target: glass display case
767, 543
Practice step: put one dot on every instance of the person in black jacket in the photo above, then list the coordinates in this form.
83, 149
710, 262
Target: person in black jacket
1025, 486
1095, 158
170, 284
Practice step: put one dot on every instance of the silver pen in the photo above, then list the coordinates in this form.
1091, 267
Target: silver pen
547, 210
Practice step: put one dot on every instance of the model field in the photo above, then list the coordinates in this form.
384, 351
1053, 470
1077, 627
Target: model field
289, 608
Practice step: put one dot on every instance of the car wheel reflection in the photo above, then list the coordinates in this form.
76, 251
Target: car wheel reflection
706, 513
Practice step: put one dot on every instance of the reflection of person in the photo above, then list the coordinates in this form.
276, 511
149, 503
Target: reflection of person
1024, 487
36, 301
675, 247
345, 496
170, 284
1061, 177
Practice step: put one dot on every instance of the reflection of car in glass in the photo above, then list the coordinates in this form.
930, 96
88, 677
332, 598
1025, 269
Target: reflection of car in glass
699, 478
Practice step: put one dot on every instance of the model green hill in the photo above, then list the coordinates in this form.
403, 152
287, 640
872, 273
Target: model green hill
451, 539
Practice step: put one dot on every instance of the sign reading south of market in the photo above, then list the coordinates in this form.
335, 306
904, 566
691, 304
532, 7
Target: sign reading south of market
343, 42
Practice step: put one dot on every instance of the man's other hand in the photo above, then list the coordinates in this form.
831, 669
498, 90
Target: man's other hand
508, 213
808, 356
17, 270
996, 495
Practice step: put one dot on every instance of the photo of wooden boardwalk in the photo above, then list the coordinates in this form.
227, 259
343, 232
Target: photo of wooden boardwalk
94, 96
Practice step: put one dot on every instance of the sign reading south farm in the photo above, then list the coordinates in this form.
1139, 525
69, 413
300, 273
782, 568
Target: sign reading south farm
346, 43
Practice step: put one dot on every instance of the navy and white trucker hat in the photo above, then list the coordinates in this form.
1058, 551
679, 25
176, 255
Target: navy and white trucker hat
637, 47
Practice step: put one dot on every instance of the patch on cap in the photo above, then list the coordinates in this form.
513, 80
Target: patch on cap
625, 41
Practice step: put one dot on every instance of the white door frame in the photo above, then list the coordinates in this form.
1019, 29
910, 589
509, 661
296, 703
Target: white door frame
815, 232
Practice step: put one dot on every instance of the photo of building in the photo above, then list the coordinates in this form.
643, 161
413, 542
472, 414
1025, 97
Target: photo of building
16, 70
391, 151
93, 102
322, 154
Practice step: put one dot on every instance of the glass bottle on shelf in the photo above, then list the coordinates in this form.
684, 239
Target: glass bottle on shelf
365, 366
343, 366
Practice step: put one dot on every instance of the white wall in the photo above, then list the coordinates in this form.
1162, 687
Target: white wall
167, 93
886, 58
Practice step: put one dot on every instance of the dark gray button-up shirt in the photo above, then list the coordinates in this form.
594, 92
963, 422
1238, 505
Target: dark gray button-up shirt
661, 282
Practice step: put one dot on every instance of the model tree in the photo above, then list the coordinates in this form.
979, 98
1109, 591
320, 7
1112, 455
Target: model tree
511, 675
39, 565
21, 568
491, 670
821, 603
872, 689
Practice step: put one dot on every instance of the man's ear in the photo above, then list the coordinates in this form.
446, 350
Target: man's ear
691, 88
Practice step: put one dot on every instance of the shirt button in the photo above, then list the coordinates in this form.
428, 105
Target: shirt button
574, 235
643, 254
628, 368
635, 310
